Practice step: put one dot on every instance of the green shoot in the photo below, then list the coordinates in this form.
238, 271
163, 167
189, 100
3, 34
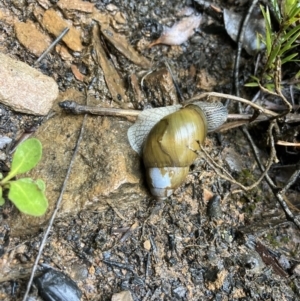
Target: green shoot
280, 44
25, 193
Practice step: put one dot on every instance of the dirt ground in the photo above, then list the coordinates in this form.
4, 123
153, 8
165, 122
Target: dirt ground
110, 234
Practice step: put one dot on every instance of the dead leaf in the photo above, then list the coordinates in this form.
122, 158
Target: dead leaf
255, 27
179, 32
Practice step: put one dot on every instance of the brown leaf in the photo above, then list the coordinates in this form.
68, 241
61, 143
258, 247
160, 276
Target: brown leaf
180, 31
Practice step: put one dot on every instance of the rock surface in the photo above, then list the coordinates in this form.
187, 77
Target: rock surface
31, 38
55, 24
122, 296
106, 169
24, 88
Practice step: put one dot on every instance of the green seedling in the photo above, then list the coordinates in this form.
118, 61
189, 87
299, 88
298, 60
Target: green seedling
280, 45
26, 194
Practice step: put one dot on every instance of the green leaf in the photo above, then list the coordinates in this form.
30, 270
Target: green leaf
273, 55
28, 197
288, 45
27, 155
291, 32
41, 184
251, 84
2, 201
270, 87
276, 9
267, 19
289, 58
293, 12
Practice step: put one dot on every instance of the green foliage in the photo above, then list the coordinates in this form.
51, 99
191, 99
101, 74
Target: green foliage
27, 194
280, 44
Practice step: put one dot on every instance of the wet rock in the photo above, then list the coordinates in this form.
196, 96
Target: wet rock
31, 38
25, 89
55, 24
106, 169
54, 285
122, 296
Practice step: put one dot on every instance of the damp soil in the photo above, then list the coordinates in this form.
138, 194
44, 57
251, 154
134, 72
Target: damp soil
193, 246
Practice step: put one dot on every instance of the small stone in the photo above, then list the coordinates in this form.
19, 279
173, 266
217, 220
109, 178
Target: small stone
55, 24
217, 284
111, 7
180, 291
54, 285
44, 3
7, 17
31, 38
122, 296
147, 245
63, 52
296, 270
25, 89
120, 18
4, 140
2, 156
76, 5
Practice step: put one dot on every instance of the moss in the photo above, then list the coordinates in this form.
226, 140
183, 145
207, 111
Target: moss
272, 240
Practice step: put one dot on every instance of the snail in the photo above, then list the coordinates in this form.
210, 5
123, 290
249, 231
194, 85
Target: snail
167, 139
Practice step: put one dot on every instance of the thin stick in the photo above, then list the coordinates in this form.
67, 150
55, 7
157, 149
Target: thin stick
174, 82
52, 45
291, 181
75, 108
228, 177
57, 206
279, 194
242, 100
240, 40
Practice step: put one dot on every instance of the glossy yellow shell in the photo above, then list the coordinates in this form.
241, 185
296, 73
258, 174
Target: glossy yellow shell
170, 147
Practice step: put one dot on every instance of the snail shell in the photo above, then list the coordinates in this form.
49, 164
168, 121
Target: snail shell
167, 139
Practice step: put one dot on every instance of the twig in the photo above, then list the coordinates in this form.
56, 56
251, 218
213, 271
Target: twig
286, 143
52, 45
291, 180
75, 108
174, 82
278, 194
57, 206
117, 212
240, 46
242, 100
228, 177
129, 232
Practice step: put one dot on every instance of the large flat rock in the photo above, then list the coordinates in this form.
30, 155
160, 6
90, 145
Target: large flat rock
106, 169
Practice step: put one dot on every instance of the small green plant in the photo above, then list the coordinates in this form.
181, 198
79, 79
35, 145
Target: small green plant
279, 44
27, 195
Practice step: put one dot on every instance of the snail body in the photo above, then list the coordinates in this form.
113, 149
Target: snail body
169, 143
